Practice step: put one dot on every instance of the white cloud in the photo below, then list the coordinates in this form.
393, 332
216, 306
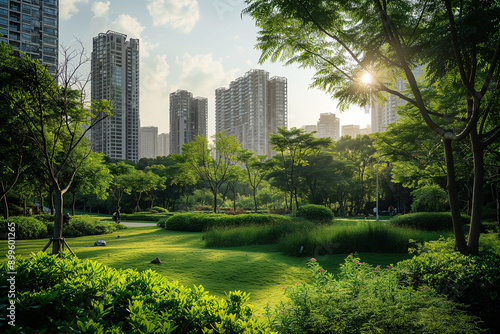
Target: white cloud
100, 9
181, 15
128, 25
67, 8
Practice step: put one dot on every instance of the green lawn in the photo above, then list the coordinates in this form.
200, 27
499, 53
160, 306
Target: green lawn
259, 270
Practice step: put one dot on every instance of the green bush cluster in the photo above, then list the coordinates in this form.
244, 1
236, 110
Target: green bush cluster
25, 227
365, 299
314, 212
471, 280
159, 209
199, 222
80, 226
146, 216
84, 296
427, 221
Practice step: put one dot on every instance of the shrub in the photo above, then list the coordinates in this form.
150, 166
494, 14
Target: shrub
145, 216
427, 221
159, 209
430, 198
365, 299
199, 222
313, 212
75, 295
25, 228
80, 226
471, 280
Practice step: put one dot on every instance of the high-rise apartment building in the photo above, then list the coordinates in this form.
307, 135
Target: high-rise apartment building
252, 108
148, 142
115, 77
328, 126
164, 144
188, 119
32, 26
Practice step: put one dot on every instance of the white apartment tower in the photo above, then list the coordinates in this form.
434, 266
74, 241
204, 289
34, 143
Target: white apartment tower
148, 142
115, 77
253, 107
32, 26
163, 144
188, 119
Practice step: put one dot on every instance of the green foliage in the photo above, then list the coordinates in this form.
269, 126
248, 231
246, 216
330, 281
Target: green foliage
230, 236
70, 293
25, 227
352, 237
159, 209
472, 280
365, 299
427, 221
80, 226
147, 216
199, 222
313, 212
430, 198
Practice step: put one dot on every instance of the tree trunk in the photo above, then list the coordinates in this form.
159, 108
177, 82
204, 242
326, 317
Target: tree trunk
5, 207
215, 200
453, 198
52, 205
73, 204
495, 194
57, 196
477, 194
255, 199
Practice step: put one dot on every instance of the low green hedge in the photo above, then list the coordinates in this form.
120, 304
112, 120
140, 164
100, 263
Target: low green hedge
72, 295
23, 228
145, 216
427, 221
316, 213
199, 222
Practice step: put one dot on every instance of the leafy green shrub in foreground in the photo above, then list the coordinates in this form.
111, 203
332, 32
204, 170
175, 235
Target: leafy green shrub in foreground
365, 299
25, 227
428, 221
315, 212
74, 295
199, 222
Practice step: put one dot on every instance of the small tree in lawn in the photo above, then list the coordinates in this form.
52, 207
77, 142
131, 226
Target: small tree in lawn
255, 168
121, 181
53, 115
183, 176
213, 162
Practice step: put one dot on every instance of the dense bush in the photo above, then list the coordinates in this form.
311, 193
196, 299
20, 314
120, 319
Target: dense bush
145, 216
313, 212
431, 198
159, 209
80, 226
427, 221
25, 227
74, 295
365, 299
199, 222
472, 280
230, 236
347, 237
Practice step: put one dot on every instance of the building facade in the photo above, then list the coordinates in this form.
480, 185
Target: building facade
115, 77
32, 26
252, 108
148, 142
164, 144
188, 119
328, 126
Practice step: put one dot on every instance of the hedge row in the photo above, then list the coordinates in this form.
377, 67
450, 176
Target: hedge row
72, 295
39, 227
427, 221
199, 222
146, 216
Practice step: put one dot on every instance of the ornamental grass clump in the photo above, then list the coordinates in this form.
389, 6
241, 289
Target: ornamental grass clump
365, 299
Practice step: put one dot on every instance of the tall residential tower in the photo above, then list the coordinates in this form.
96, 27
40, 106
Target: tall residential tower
253, 107
32, 26
188, 119
115, 77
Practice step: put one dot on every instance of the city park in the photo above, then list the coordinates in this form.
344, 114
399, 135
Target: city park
297, 230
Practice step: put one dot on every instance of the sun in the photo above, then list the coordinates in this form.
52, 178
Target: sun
366, 78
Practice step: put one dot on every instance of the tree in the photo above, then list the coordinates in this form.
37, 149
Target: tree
295, 146
121, 182
458, 41
53, 116
212, 163
255, 167
183, 176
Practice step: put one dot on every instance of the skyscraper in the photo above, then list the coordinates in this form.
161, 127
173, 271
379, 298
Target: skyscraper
115, 77
32, 26
188, 119
163, 144
251, 108
148, 142
328, 126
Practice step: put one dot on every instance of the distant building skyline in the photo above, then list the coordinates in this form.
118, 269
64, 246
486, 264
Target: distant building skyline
164, 144
252, 108
188, 119
148, 142
115, 77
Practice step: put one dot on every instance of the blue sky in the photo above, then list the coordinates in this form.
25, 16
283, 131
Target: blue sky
197, 45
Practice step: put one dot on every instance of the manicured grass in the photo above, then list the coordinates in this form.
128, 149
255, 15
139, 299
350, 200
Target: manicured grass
259, 270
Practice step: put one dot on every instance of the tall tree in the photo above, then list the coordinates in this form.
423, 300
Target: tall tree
459, 41
213, 162
53, 115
